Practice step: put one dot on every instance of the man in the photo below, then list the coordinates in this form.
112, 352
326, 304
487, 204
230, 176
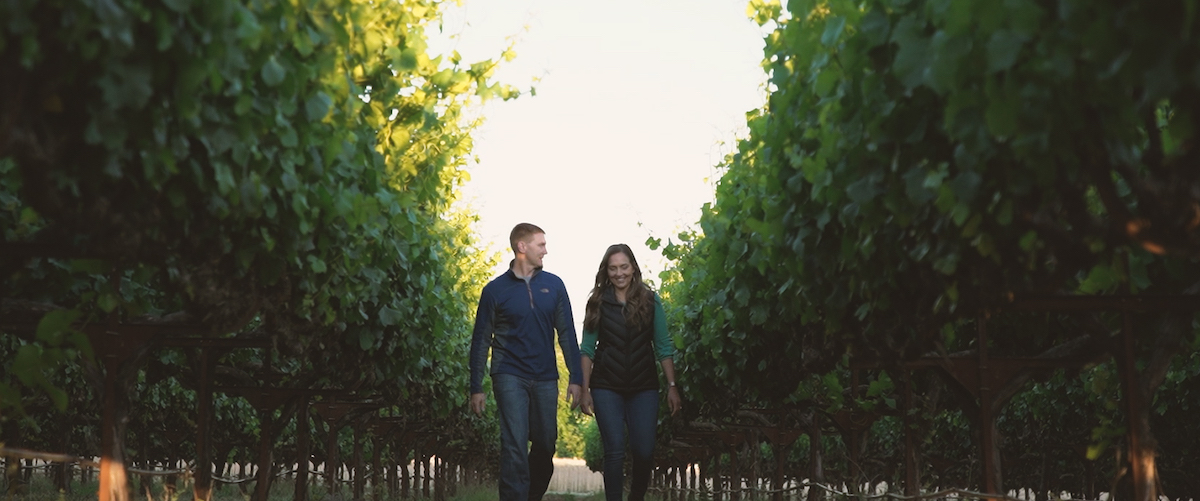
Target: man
518, 315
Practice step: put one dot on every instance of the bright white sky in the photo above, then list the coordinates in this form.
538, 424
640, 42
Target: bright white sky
638, 101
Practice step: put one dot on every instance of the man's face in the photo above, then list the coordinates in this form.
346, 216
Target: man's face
535, 249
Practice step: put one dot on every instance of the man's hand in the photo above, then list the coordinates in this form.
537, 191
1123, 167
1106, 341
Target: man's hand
478, 401
574, 395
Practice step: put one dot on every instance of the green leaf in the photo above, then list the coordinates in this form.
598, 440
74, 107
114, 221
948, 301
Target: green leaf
864, 190
442, 78
108, 302
29, 216
11, 396
302, 41
1024, 16
833, 386
916, 186
1139, 277
1002, 111
912, 60
1005, 215
1028, 240
224, 177
366, 339
947, 264
1101, 279
57, 395
758, 314
966, 185
874, 27
289, 138
948, 52
166, 32
1179, 132
273, 73
826, 81
27, 364
881, 386
127, 86
180, 6
82, 343
833, 30
244, 104
55, 324
92, 266
318, 105
960, 213
407, 61
389, 316
1003, 48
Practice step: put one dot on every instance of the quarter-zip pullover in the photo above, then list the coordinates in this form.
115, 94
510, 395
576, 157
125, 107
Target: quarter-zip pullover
517, 319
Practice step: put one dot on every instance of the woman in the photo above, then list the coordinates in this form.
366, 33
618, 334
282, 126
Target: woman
624, 332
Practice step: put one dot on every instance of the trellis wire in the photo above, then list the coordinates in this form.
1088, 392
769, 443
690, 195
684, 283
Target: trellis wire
10, 452
945, 493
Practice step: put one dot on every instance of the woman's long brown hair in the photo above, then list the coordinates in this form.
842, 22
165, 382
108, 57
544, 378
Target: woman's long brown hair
639, 300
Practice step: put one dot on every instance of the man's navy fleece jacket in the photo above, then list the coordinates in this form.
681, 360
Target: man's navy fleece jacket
517, 319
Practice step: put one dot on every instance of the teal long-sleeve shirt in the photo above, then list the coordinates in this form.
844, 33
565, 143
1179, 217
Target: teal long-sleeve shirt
663, 348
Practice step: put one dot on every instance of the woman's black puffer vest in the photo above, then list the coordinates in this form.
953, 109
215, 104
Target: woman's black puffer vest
624, 359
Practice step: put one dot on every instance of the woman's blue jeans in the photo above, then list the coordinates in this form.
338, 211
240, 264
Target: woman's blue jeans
617, 412
528, 432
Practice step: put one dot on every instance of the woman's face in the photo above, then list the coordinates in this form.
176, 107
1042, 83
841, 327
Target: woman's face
620, 271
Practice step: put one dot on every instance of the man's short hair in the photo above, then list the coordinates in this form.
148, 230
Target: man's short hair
521, 233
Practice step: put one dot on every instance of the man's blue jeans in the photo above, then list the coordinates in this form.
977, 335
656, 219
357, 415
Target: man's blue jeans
528, 431
615, 412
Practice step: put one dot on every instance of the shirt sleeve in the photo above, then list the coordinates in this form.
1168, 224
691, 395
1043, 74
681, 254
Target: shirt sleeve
587, 347
565, 325
663, 347
481, 339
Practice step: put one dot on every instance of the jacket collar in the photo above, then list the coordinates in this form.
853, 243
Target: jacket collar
513, 273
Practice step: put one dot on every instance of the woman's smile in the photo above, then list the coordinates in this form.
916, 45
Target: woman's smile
619, 271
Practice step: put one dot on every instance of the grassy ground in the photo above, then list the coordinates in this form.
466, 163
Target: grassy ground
488, 493
42, 489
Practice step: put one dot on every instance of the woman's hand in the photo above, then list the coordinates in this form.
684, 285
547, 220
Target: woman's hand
585, 402
673, 400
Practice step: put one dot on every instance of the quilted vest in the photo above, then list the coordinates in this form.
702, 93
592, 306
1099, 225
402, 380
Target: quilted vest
624, 359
